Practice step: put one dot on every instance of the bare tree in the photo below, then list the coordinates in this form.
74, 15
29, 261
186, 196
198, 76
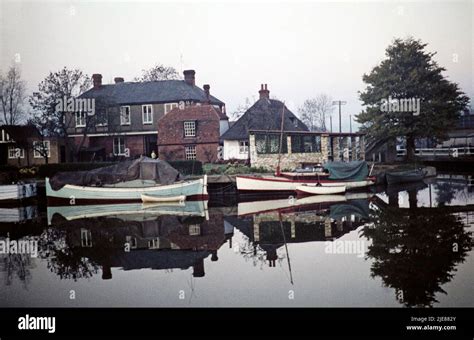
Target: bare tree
12, 96
159, 72
315, 111
240, 110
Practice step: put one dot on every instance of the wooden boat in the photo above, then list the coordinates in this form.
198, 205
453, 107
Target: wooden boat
17, 191
156, 199
404, 176
315, 189
276, 183
128, 192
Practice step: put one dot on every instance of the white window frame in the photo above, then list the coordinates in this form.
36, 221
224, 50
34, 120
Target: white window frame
190, 152
190, 129
12, 152
194, 230
147, 112
154, 243
243, 148
118, 153
80, 119
36, 153
86, 238
170, 106
122, 115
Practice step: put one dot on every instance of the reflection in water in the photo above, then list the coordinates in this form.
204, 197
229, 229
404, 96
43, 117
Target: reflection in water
418, 236
416, 250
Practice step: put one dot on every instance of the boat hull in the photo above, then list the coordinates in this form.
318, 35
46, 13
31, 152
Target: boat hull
303, 190
404, 177
195, 189
277, 184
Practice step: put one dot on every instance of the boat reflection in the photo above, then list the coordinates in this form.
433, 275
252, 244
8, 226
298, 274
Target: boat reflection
132, 236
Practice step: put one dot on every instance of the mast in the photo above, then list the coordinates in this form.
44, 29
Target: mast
278, 173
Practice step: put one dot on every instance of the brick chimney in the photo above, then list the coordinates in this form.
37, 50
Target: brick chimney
264, 92
97, 80
118, 80
189, 77
207, 93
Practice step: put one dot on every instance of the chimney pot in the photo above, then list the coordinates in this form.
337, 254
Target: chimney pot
118, 80
189, 77
264, 92
97, 80
207, 93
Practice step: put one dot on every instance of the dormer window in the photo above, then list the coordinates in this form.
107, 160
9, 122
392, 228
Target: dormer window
294, 121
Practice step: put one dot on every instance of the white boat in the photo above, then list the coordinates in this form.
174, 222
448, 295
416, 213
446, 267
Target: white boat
157, 199
196, 189
276, 183
17, 191
315, 189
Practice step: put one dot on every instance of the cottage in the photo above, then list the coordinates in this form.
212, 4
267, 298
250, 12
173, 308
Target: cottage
190, 133
264, 115
127, 114
22, 145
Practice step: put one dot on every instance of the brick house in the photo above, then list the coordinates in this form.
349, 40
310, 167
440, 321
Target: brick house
127, 114
22, 145
190, 133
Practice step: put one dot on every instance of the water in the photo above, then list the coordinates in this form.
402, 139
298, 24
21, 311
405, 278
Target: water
405, 246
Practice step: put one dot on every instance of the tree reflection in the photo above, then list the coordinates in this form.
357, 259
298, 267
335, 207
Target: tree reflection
416, 251
65, 261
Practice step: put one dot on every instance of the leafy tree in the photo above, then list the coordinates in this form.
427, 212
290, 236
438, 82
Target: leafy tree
315, 111
12, 96
409, 72
64, 83
159, 72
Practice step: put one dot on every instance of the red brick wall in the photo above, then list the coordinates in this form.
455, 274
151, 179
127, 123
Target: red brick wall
171, 140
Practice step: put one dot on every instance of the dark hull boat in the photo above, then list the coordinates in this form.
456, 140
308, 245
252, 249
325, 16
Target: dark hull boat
404, 176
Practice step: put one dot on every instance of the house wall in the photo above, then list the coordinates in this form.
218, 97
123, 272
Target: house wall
232, 150
289, 160
30, 160
223, 126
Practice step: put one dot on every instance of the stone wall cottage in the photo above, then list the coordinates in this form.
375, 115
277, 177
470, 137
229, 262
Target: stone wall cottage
265, 114
190, 133
127, 114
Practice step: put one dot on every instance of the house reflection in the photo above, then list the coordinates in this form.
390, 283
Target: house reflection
134, 238
269, 230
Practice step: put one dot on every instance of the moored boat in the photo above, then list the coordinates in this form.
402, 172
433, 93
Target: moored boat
18, 191
146, 198
315, 189
404, 176
124, 182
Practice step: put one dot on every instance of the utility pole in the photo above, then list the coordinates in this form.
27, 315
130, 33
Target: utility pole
330, 122
350, 123
340, 103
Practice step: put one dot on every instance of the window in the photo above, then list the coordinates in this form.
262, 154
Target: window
190, 152
147, 114
294, 121
119, 146
80, 119
40, 149
170, 106
101, 119
270, 143
305, 144
86, 238
15, 152
243, 146
125, 115
132, 241
154, 243
189, 129
194, 230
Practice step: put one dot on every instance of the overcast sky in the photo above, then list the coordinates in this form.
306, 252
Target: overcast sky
299, 49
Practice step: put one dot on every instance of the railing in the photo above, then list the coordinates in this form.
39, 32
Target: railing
440, 152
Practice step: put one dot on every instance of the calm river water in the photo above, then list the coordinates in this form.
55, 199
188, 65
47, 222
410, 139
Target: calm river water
402, 246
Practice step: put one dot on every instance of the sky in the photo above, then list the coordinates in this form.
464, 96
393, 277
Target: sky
298, 48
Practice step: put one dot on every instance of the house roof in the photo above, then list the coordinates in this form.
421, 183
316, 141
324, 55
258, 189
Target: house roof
197, 110
163, 91
265, 114
20, 133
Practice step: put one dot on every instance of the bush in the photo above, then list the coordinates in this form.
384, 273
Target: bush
188, 167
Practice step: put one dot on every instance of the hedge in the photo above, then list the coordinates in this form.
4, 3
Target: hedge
188, 167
